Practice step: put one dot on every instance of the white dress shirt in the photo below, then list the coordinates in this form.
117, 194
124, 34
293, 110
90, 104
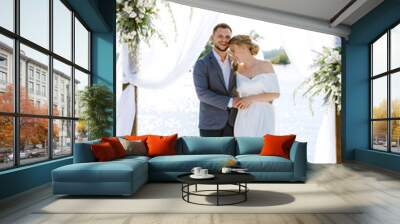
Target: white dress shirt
226, 71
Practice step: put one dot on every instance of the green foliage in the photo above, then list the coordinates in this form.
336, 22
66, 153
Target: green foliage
255, 36
327, 80
97, 102
207, 49
277, 56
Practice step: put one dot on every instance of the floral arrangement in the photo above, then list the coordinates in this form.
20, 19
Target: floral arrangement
327, 79
134, 21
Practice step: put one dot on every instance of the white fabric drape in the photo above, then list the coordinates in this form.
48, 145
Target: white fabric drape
300, 55
161, 65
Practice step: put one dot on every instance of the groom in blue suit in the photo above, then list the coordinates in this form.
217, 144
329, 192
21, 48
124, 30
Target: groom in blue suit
215, 83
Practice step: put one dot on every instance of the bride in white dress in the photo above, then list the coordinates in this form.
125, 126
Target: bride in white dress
257, 87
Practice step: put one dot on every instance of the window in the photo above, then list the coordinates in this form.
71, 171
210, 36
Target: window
3, 78
41, 83
385, 94
6, 73
38, 89
35, 22
30, 88
62, 74
7, 14
30, 72
81, 45
37, 74
44, 91
62, 30
3, 72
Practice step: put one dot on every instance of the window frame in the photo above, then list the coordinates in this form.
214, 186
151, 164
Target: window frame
388, 74
16, 114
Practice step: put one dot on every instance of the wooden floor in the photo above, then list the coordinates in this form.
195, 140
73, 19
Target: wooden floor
378, 189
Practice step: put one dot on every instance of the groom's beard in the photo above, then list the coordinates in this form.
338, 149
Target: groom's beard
220, 49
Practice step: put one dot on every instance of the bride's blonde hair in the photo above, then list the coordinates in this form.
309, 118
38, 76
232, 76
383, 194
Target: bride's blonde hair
241, 40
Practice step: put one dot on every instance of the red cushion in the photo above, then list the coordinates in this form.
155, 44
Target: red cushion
116, 145
103, 151
277, 145
161, 145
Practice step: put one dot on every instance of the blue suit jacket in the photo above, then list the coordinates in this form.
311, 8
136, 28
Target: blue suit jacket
212, 93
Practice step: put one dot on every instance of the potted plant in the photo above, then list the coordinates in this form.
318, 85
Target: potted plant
96, 102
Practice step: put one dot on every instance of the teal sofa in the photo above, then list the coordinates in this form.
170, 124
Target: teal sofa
125, 176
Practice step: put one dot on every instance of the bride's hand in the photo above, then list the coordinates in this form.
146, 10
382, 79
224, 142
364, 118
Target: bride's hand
243, 103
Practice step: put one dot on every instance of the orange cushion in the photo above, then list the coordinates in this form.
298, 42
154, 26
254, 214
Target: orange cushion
275, 145
103, 151
161, 145
116, 145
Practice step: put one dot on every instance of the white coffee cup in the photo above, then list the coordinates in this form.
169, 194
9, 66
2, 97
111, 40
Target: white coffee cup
196, 171
226, 170
203, 172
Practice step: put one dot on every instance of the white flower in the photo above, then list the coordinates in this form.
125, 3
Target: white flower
132, 14
335, 55
148, 4
329, 60
141, 15
128, 9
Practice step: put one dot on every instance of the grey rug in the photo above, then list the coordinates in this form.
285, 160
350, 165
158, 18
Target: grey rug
166, 198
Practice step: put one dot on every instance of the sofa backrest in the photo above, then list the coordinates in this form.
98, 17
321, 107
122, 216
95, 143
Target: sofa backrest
83, 152
192, 145
249, 145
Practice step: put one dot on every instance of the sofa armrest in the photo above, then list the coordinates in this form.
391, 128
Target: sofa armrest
298, 155
83, 152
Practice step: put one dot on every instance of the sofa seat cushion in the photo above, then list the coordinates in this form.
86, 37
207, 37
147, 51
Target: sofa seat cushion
185, 163
112, 171
257, 163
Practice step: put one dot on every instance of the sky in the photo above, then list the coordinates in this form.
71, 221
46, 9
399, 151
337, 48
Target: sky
35, 27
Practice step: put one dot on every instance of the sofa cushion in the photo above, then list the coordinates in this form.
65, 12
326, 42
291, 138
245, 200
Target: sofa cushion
249, 145
103, 152
161, 145
116, 145
185, 163
275, 145
134, 147
111, 171
257, 163
192, 145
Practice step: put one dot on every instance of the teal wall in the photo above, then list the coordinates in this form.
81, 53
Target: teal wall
24, 178
99, 16
103, 63
356, 99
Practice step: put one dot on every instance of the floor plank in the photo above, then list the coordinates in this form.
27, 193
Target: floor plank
376, 189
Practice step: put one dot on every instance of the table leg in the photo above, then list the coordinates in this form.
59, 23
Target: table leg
245, 193
217, 194
196, 188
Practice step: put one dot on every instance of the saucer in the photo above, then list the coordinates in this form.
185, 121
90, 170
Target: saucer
208, 176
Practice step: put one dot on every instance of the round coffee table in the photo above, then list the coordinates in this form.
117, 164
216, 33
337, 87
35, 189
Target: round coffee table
238, 179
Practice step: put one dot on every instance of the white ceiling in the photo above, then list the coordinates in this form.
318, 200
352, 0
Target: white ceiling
315, 15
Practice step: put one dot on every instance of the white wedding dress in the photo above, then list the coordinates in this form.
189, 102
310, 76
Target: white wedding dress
259, 118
